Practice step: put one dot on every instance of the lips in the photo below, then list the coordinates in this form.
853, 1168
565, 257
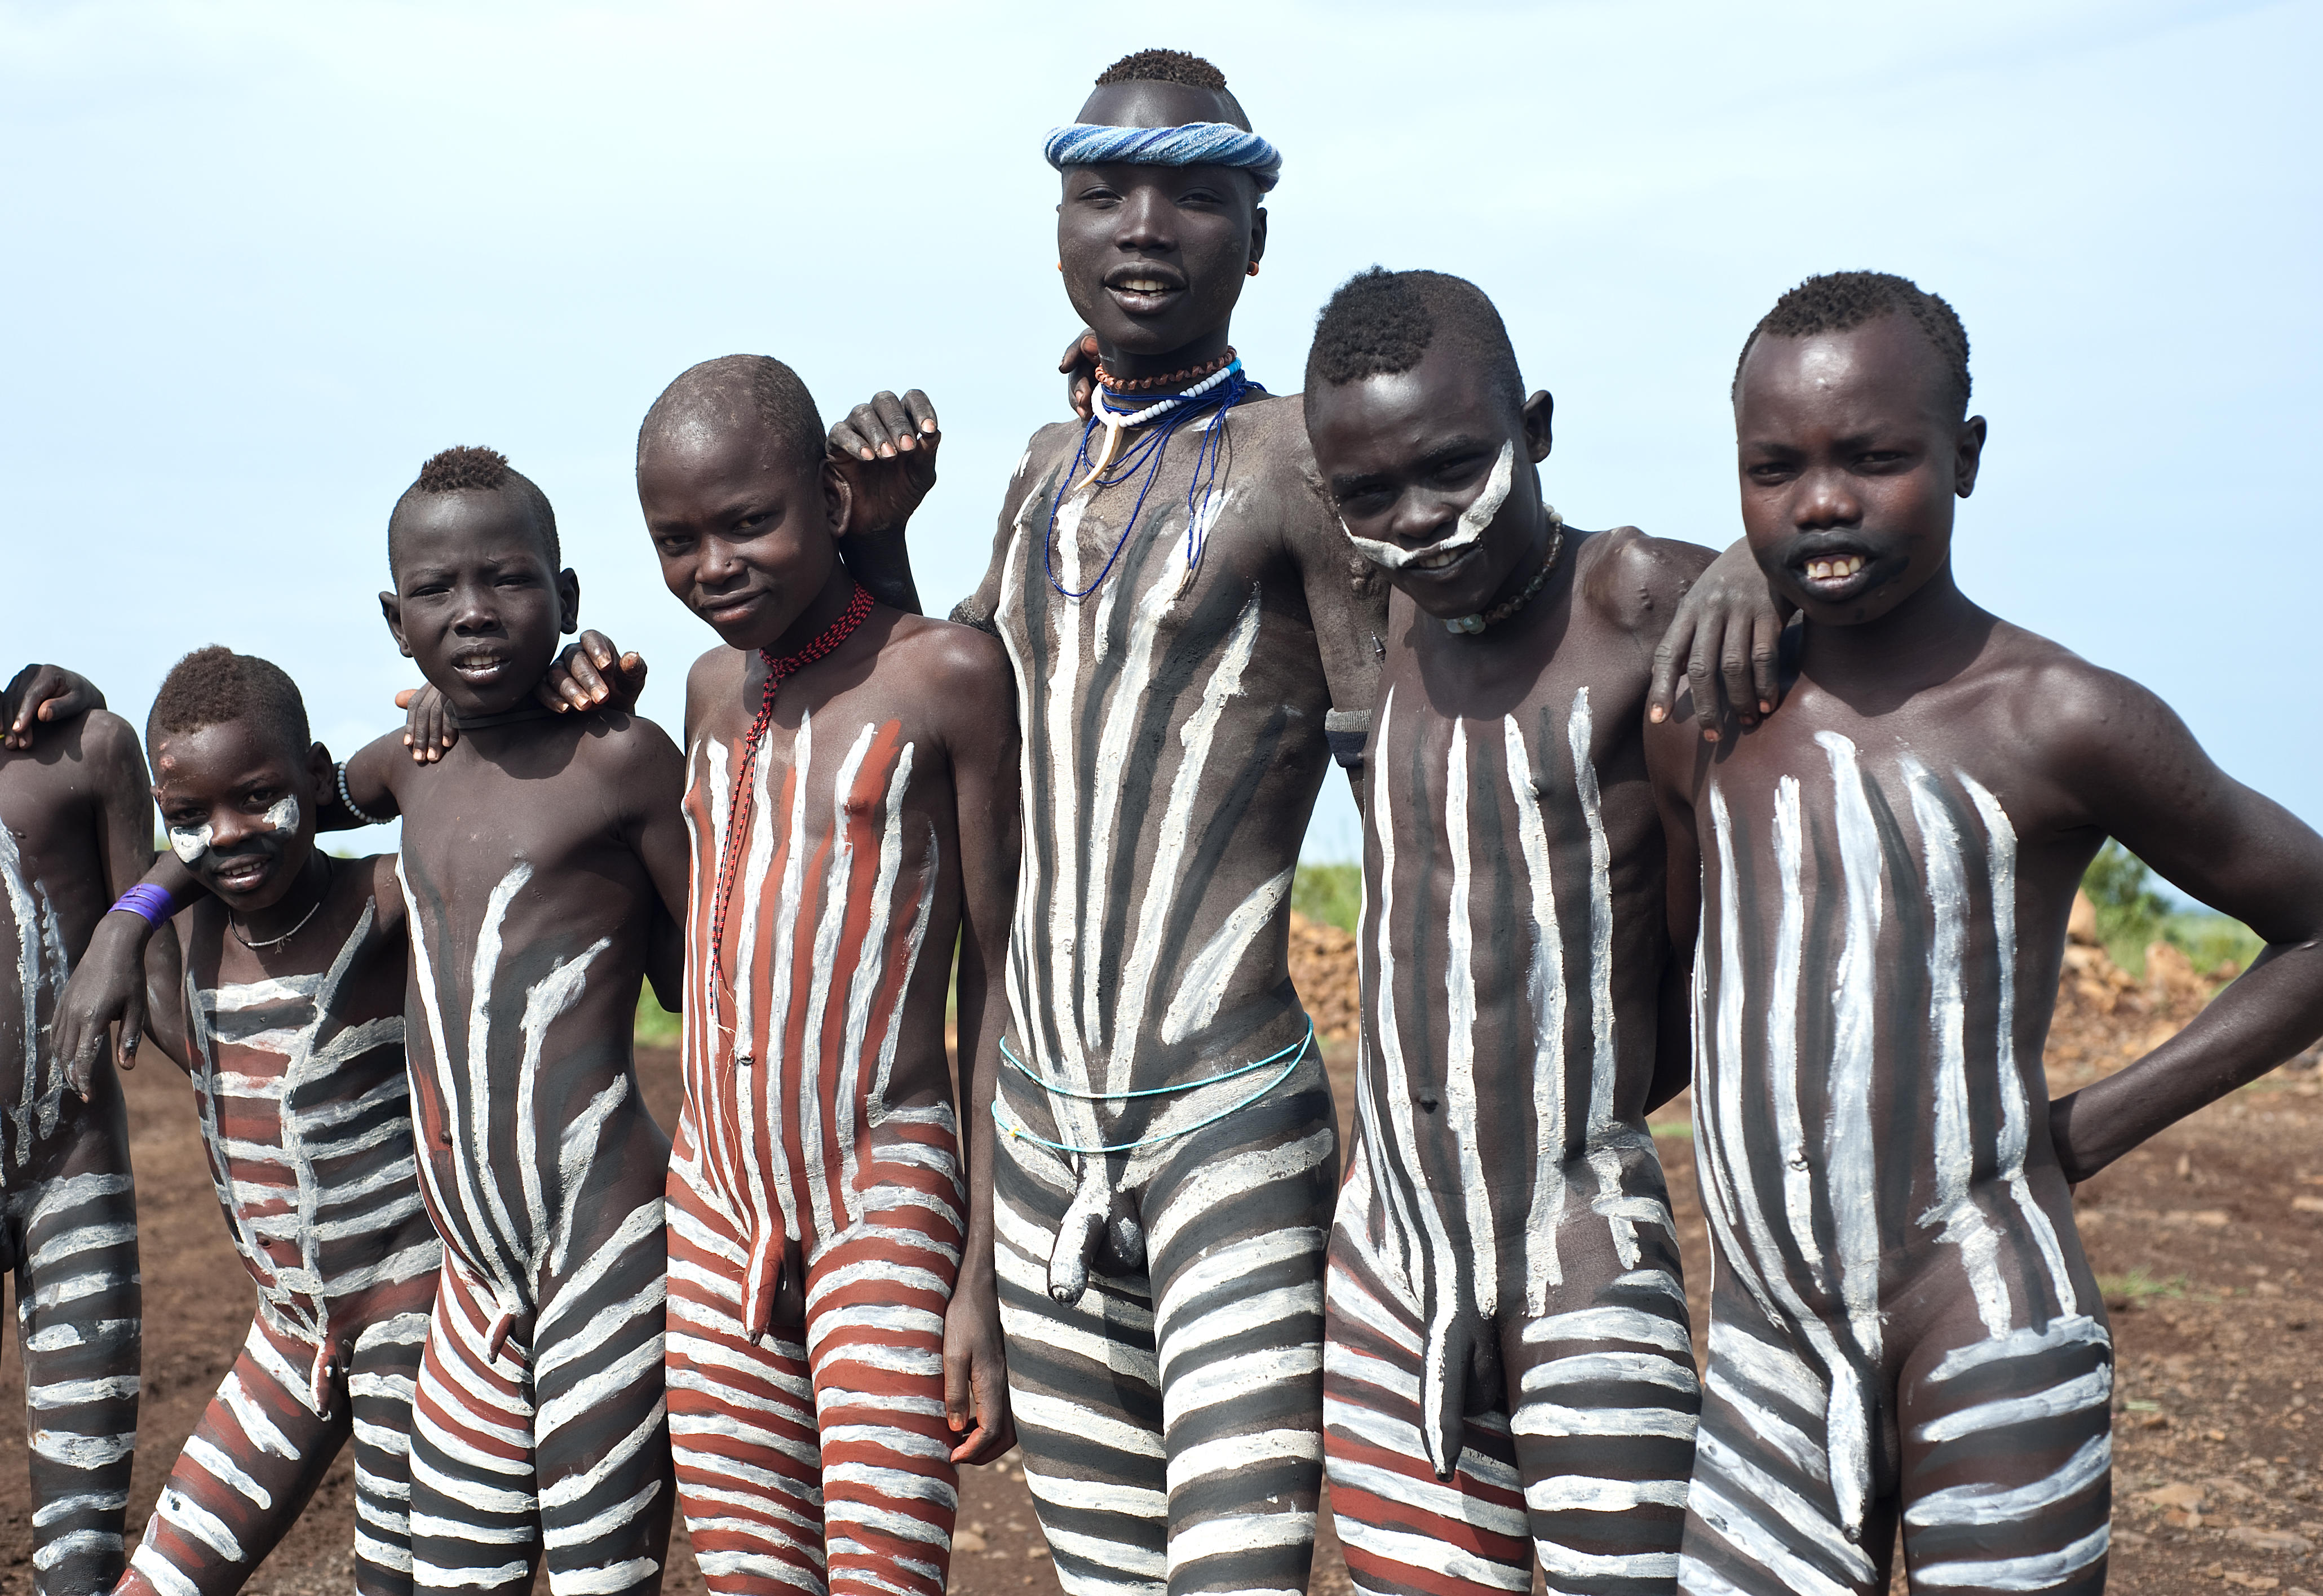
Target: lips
479, 665
242, 873
1144, 288
728, 608
1834, 573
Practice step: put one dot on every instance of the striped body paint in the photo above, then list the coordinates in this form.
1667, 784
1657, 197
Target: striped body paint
306, 1119
1162, 1304
539, 1432
816, 1203
1865, 1101
1508, 1375
69, 1234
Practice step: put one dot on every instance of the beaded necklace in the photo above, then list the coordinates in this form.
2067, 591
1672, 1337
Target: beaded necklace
738, 806
1225, 388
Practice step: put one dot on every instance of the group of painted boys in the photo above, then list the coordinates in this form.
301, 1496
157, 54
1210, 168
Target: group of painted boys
1125, 1240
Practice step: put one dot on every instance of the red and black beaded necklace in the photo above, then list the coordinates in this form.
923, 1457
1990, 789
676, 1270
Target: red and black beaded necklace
738, 806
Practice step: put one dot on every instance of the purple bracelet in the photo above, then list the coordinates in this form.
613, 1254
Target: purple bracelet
152, 902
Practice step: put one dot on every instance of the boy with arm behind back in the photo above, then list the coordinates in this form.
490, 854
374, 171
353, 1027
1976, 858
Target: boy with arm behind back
1903, 1322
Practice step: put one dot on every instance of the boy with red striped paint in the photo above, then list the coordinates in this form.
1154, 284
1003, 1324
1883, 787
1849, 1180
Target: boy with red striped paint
833, 1327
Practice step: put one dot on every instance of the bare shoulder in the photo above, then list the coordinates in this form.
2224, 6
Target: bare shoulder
959, 675
2074, 710
1635, 582
108, 739
627, 745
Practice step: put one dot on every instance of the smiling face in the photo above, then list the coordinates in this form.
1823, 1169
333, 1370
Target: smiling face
477, 605
746, 535
1155, 257
239, 805
1431, 475
1851, 456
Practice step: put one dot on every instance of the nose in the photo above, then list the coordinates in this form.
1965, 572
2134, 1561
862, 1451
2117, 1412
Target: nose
230, 828
1420, 519
715, 563
1147, 223
1825, 500
473, 611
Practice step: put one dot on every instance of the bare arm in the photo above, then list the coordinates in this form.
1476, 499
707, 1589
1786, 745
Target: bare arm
43, 695
2148, 783
1347, 604
651, 790
126, 804
1674, 762
371, 772
984, 766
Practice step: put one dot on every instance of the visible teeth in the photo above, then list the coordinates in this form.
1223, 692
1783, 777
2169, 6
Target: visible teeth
1834, 569
1144, 285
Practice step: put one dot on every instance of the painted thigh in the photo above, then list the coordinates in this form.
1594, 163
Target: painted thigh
244, 1477
1404, 1532
1084, 1388
1762, 1517
1605, 1399
474, 1516
601, 1427
2007, 1458
78, 1321
875, 1313
381, 1381
742, 1413
1237, 1227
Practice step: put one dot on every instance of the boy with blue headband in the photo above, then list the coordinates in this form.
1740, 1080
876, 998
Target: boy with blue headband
1189, 642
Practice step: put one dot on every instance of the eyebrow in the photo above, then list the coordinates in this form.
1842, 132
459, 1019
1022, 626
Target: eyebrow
1442, 454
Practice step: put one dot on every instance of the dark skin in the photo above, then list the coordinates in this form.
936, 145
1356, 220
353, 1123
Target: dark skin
747, 539
1846, 454
1404, 455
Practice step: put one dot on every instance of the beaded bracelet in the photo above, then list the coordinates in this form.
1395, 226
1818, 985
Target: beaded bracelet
152, 904
348, 803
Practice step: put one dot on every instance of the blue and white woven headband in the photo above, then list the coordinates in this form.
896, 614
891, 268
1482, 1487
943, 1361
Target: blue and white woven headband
1197, 143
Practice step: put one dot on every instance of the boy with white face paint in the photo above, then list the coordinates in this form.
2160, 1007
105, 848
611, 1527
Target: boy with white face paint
1508, 1372
290, 1022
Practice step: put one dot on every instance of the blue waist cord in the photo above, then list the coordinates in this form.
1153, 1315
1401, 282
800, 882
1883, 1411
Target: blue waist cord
1297, 1051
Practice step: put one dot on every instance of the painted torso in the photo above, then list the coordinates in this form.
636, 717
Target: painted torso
1512, 947
1872, 998
52, 890
529, 915
813, 1044
1172, 748
305, 1107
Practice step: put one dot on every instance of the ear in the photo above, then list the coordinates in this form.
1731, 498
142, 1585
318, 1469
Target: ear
1969, 456
837, 498
1258, 232
391, 607
325, 774
1538, 412
568, 600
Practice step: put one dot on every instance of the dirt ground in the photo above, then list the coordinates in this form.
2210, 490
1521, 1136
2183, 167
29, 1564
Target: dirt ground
2205, 1240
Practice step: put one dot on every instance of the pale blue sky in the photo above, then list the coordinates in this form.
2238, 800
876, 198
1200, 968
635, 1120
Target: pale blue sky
260, 260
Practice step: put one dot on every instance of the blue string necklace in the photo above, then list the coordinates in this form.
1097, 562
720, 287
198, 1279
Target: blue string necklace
1223, 390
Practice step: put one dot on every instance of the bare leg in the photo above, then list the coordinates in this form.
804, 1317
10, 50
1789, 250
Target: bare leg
475, 1522
380, 1390
600, 1430
78, 1321
244, 1477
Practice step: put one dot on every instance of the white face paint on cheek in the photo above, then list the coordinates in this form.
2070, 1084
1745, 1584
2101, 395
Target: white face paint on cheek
283, 816
1393, 556
189, 845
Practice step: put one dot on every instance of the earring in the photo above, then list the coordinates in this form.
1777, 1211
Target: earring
1253, 268
1061, 265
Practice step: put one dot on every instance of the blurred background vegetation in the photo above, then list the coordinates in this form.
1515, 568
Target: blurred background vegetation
2131, 915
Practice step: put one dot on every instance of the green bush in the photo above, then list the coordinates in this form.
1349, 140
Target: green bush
2131, 915
1329, 895
657, 1026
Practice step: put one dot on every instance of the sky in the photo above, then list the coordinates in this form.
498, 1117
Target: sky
260, 260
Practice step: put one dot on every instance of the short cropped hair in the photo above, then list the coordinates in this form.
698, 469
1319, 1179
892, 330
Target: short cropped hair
1841, 301
1380, 323
465, 466
213, 686
1164, 66
725, 388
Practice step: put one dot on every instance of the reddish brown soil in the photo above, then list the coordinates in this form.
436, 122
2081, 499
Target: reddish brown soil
2207, 1240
